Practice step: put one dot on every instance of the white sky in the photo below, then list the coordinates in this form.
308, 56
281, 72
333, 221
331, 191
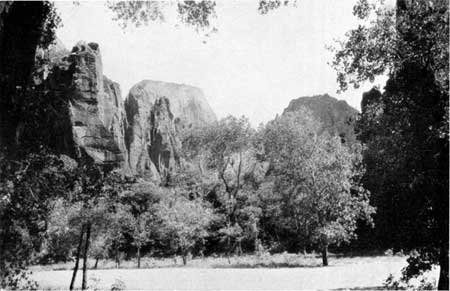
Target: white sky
253, 66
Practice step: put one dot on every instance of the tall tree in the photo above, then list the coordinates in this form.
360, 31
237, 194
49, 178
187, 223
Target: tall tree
228, 149
23, 27
406, 126
27, 188
318, 178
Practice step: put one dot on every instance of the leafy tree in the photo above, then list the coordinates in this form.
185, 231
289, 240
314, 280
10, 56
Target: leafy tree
183, 222
19, 40
27, 188
141, 199
141, 232
196, 14
228, 148
406, 127
60, 234
96, 196
318, 178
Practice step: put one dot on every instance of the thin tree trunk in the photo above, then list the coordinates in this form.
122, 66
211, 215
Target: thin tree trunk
85, 257
96, 263
139, 257
184, 256
77, 260
228, 249
325, 255
443, 283
117, 256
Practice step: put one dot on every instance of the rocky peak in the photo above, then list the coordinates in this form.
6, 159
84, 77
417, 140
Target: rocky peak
188, 104
94, 106
336, 116
156, 113
151, 137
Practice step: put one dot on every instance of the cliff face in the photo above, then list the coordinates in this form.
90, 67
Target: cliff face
337, 116
151, 138
187, 104
93, 107
157, 112
140, 135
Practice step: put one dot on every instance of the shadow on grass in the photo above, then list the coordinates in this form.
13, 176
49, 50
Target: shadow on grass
361, 253
362, 288
272, 265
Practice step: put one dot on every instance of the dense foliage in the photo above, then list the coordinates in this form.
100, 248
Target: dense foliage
318, 179
406, 126
27, 187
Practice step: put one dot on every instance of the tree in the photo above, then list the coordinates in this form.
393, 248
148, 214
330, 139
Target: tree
228, 148
141, 199
27, 188
318, 178
141, 232
24, 27
196, 14
183, 222
406, 127
96, 196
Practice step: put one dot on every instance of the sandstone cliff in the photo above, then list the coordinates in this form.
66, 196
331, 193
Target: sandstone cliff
157, 112
140, 135
93, 107
187, 104
337, 116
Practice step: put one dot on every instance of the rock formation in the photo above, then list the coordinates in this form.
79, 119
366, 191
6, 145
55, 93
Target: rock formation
94, 107
150, 137
187, 104
91, 122
156, 113
337, 116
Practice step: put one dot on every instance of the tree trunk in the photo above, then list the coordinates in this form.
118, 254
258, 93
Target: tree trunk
228, 249
184, 257
325, 255
77, 260
117, 256
443, 264
239, 248
96, 263
85, 257
139, 257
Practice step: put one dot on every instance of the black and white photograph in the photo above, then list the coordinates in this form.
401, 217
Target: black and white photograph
224, 145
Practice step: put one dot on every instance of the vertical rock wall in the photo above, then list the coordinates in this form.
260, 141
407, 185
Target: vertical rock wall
94, 106
140, 135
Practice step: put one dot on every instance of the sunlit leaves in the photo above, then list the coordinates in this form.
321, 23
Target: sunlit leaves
265, 6
318, 177
197, 14
183, 222
136, 12
386, 39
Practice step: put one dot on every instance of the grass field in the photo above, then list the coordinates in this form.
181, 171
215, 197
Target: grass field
244, 273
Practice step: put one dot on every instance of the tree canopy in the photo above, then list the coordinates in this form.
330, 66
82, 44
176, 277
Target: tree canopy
406, 126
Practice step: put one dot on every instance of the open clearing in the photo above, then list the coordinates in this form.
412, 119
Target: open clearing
346, 273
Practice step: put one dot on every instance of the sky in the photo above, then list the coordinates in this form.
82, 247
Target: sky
253, 66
